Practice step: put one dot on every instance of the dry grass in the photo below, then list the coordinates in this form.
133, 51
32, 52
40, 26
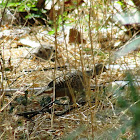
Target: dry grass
103, 119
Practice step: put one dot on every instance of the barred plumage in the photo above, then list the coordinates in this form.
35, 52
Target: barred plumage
72, 83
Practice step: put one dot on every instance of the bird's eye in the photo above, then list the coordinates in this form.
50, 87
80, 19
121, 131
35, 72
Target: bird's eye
40, 52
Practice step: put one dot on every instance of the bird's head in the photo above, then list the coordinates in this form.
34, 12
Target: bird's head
99, 68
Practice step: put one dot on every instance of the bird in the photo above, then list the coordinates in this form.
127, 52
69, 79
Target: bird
44, 52
73, 84
99, 68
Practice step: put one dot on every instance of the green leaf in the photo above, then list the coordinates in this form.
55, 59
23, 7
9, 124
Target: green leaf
120, 3
51, 32
87, 49
21, 8
29, 4
13, 4
43, 10
34, 9
29, 16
